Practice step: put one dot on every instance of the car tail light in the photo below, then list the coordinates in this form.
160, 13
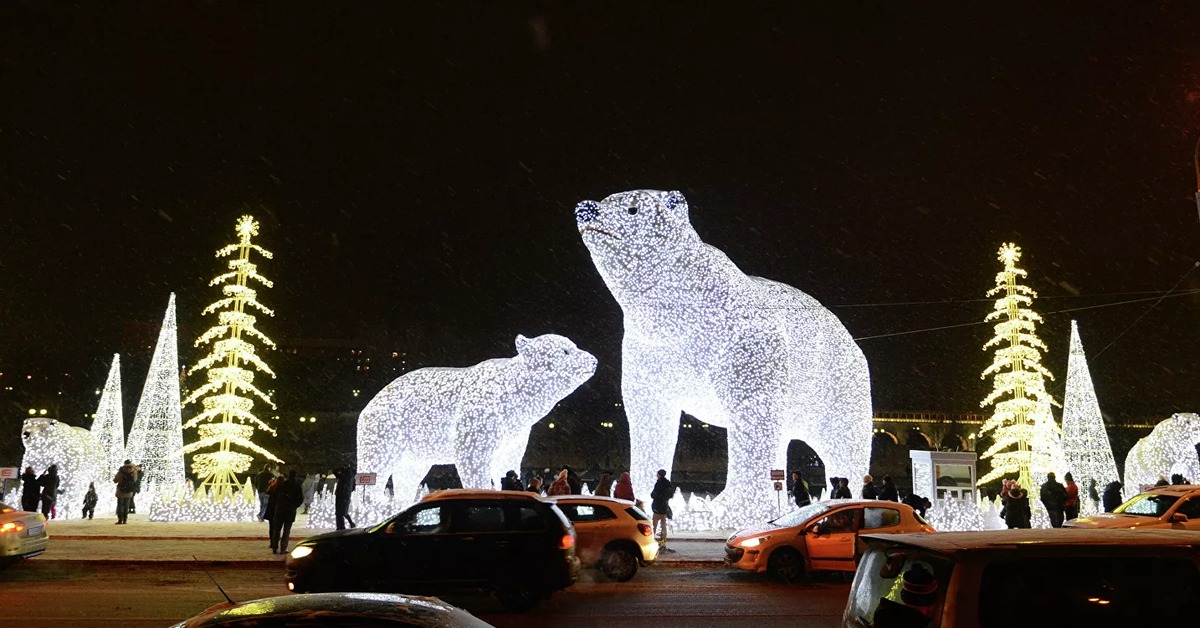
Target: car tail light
567, 542
12, 526
645, 529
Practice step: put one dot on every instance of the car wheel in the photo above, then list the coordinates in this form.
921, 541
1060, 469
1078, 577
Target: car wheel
786, 564
517, 597
618, 564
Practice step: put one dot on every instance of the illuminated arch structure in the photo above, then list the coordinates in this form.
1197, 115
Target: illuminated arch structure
760, 358
1169, 448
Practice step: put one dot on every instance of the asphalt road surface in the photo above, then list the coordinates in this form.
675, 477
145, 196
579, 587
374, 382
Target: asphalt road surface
59, 593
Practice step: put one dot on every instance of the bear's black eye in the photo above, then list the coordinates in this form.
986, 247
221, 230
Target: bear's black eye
566, 352
632, 210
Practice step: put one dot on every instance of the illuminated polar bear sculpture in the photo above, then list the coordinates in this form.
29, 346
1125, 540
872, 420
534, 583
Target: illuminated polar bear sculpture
758, 357
80, 459
477, 418
1169, 448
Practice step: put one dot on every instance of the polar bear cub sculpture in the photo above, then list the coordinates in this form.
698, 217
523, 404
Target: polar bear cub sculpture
80, 459
1169, 448
477, 418
758, 357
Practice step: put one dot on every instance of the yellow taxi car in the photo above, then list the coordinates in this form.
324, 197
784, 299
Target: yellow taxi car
22, 535
1162, 507
819, 537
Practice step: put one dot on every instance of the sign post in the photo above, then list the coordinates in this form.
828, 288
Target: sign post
364, 479
777, 476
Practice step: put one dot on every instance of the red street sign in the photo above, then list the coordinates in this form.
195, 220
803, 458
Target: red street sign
779, 486
9, 473
361, 479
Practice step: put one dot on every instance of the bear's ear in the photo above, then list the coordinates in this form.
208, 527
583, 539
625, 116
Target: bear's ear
675, 200
521, 342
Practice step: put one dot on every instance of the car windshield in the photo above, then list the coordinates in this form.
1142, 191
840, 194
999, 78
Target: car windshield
797, 517
1147, 505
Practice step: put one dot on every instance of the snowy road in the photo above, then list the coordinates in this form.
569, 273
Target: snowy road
55, 593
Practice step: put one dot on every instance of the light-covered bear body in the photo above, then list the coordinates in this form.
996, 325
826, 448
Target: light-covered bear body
761, 358
477, 418
80, 459
1169, 448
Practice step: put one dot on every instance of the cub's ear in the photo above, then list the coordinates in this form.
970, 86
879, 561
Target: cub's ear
675, 200
522, 341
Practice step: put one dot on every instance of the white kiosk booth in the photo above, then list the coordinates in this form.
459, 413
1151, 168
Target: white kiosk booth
944, 474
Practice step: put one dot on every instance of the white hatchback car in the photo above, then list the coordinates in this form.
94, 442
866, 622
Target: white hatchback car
1165, 507
613, 535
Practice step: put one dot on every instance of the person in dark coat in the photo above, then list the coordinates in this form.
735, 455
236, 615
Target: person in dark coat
89, 502
262, 482
888, 491
31, 491
660, 497
604, 487
918, 503
282, 501
510, 481
800, 494
341, 496
1177, 479
573, 480
126, 480
842, 491
535, 484
49, 483
1112, 496
868, 490
1017, 514
1093, 494
1054, 498
137, 488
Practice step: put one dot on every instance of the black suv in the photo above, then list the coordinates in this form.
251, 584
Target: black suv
516, 544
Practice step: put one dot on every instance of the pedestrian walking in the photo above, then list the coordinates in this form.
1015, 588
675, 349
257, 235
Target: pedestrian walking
309, 489
535, 485
49, 483
125, 479
1112, 496
282, 501
262, 482
89, 502
560, 485
624, 488
341, 492
1017, 514
510, 481
137, 488
1054, 498
918, 503
660, 505
604, 487
31, 491
888, 492
1071, 505
868, 489
842, 491
800, 493
1093, 495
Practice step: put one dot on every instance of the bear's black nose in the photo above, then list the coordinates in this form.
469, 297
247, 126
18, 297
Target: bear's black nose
586, 211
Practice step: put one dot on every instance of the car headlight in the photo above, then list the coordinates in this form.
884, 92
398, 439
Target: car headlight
754, 542
302, 551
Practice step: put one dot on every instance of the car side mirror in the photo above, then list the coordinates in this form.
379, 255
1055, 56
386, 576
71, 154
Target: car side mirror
1179, 518
392, 529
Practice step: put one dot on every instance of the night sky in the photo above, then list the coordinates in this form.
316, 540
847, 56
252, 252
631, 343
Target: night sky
415, 172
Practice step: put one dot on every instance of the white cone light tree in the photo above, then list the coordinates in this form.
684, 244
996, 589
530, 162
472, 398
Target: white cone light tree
1089, 455
1021, 424
156, 437
227, 423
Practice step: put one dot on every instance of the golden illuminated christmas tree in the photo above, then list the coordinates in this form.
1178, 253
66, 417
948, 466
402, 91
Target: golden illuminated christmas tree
227, 422
1025, 436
